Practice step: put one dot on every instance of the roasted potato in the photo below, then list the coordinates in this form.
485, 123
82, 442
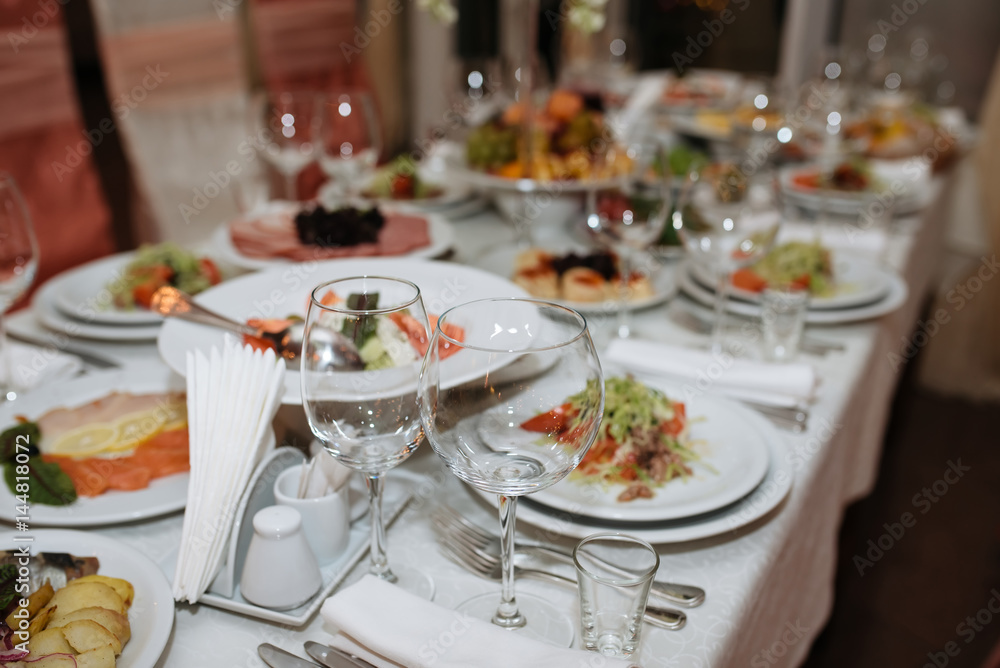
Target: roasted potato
41, 620
87, 595
109, 619
49, 641
102, 657
84, 635
123, 588
36, 601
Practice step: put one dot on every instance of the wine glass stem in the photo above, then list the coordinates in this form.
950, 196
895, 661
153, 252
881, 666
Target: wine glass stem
6, 365
379, 566
291, 183
507, 614
625, 275
721, 298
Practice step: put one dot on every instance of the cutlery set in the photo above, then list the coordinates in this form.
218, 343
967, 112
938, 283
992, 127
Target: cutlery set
324, 655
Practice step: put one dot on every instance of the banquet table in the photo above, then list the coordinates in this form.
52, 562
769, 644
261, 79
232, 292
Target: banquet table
769, 585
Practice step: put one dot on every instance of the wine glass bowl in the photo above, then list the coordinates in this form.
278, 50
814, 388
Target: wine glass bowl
367, 418
351, 139
522, 423
291, 122
18, 266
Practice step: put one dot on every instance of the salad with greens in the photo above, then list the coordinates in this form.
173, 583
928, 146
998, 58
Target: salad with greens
157, 266
805, 265
399, 180
643, 442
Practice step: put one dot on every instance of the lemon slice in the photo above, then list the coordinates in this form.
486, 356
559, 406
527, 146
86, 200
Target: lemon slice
90, 439
135, 428
175, 415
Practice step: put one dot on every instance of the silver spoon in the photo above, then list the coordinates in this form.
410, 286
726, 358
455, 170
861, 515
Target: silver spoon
339, 353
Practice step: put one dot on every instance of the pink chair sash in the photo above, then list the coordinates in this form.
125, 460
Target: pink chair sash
174, 64
35, 85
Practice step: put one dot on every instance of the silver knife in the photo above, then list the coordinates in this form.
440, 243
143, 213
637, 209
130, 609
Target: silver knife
279, 658
331, 657
93, 359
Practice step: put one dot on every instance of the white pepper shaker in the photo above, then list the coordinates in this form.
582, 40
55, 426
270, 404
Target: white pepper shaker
280, 571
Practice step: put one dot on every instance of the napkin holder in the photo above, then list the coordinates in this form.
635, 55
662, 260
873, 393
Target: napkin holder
259, 494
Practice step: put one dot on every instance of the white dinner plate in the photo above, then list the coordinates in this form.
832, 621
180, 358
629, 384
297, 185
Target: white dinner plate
284, 291
856, 281
151, 616
728, 444
501, 263
905, 189
752, 507
439, 229
164, 495
43, 303
894, 298
82, 293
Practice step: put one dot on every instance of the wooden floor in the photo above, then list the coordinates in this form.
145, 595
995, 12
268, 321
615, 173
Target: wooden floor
910, 604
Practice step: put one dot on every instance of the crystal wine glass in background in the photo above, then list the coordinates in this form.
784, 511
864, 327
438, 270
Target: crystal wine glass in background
292, 122
508, 433
351, 139
366, 417
727, 220
628, 217
18, 264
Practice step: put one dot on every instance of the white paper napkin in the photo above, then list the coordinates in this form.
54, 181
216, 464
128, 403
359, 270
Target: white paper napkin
700, 371
32, 366
391, 628
232, 397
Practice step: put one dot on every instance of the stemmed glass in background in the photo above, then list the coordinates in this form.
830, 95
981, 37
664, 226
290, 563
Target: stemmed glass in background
627, 218
476, 415
351, 139
727, 220
18, 265
291, 121
366, 418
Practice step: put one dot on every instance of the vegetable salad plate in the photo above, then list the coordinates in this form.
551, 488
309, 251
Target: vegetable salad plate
734, 458
82, 293
893, 299
905, 184
163, 495
855, 281
284, 291
151, 615
439, 238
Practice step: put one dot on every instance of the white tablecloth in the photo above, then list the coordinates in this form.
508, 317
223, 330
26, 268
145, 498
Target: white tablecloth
770, 585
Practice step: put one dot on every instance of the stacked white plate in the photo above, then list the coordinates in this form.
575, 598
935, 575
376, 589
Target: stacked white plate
743, 476
863, 289
77, 303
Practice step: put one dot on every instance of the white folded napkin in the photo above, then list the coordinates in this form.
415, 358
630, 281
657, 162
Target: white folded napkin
232, 397
32, 366
699, 372
390, 628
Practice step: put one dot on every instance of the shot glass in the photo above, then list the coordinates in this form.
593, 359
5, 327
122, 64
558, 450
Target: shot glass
783, 317
614, 571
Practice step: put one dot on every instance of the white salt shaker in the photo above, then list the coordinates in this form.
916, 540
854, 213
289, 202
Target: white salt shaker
280, 571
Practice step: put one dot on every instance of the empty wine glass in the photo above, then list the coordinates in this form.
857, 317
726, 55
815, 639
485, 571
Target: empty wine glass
727, 220
627, 218
508, 433
366, 415
18, 265
291, 121
351, 142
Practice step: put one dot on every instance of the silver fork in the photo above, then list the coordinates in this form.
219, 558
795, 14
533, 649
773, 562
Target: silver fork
489, 567
451, 525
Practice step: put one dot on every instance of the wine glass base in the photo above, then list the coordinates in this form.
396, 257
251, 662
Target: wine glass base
415, 582
545, 622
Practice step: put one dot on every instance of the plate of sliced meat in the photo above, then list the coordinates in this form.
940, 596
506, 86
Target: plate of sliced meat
284, 232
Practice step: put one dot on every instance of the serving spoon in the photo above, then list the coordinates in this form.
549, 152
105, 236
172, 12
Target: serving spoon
340, 354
